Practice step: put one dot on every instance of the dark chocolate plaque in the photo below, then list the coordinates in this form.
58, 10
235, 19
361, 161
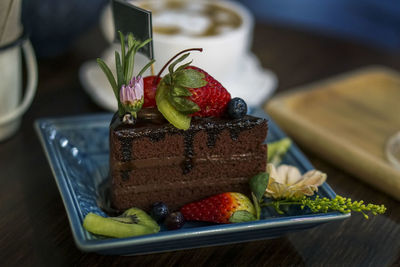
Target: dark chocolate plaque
129, 18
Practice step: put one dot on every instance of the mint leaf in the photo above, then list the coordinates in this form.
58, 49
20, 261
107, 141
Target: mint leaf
258, 184
241, 216
180, 91
190, 78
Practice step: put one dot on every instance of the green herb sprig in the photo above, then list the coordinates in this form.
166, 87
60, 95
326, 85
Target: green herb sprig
124, 64
339, 203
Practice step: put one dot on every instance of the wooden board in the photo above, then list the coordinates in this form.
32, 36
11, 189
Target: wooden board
347, 120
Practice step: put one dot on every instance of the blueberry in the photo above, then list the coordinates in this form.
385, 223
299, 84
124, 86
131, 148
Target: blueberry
159, 211
237, 108
174, 220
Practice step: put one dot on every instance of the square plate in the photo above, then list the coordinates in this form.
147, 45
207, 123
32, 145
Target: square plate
77, 150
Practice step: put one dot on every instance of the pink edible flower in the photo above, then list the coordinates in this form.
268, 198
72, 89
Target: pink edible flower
131, 95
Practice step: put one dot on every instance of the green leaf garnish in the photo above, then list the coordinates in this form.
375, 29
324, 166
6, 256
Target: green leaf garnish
190, 78
124, 64
258, 184
173, 64
242, 216
146, 67
167, 80
183, 105
120, 72
109, 76
172, 93
130, 59
180, 91
175, 117
181, 67
122, 40
141, 45
256, 205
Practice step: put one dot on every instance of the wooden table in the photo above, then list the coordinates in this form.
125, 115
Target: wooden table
34, 229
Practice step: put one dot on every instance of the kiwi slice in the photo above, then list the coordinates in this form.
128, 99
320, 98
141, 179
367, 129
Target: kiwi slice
176, 118
133, 223
143, 217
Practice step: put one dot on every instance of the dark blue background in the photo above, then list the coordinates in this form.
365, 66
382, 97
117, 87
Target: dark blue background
55, 24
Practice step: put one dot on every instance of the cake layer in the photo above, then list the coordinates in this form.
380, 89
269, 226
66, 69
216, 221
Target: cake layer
149, 171
225, 137
178, 193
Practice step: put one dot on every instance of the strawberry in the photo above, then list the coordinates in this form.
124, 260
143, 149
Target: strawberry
220, 209
189, 91
150, 84
212, 98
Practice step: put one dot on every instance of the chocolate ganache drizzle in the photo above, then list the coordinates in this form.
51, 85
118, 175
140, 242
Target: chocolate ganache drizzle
152, 125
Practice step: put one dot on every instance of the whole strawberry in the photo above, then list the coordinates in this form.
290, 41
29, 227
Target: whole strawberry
188, 91
222, 208
212, 98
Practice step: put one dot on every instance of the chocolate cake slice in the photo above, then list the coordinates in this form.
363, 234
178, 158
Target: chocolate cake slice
152, 160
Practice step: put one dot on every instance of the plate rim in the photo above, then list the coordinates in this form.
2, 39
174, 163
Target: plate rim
98, 245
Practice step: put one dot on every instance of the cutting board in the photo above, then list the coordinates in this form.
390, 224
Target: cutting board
347, 120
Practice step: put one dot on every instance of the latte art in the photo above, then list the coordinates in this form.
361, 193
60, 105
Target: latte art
191, 18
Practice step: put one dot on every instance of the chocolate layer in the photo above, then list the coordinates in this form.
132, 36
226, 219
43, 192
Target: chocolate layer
176, 194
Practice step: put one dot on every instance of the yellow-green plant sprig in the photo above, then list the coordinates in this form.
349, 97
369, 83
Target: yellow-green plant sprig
339, 203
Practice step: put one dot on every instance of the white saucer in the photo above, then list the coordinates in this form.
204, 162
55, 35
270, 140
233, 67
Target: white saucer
254, 84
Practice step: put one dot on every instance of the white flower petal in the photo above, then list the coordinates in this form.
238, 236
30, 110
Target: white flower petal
288, 174
313, 177
286, 181
272, 170
293, 176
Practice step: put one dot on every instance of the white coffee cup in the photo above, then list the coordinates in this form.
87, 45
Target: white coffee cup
222, 53
11, 106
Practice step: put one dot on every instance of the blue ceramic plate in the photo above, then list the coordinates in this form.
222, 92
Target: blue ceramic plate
77, 150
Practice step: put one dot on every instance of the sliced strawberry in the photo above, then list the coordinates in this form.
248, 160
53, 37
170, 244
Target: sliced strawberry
220, 209
212, 98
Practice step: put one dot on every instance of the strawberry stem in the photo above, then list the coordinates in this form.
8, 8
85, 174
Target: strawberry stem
169, 61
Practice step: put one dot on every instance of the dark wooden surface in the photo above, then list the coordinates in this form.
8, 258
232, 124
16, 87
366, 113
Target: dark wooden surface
34, 229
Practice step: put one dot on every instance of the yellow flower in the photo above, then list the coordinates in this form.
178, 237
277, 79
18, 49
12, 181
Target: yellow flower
286, 181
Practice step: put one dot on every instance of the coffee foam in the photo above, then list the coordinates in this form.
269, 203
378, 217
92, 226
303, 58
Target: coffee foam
180, 23
191, 18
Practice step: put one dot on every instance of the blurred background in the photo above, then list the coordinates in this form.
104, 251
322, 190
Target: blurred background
299, 41
55, 25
